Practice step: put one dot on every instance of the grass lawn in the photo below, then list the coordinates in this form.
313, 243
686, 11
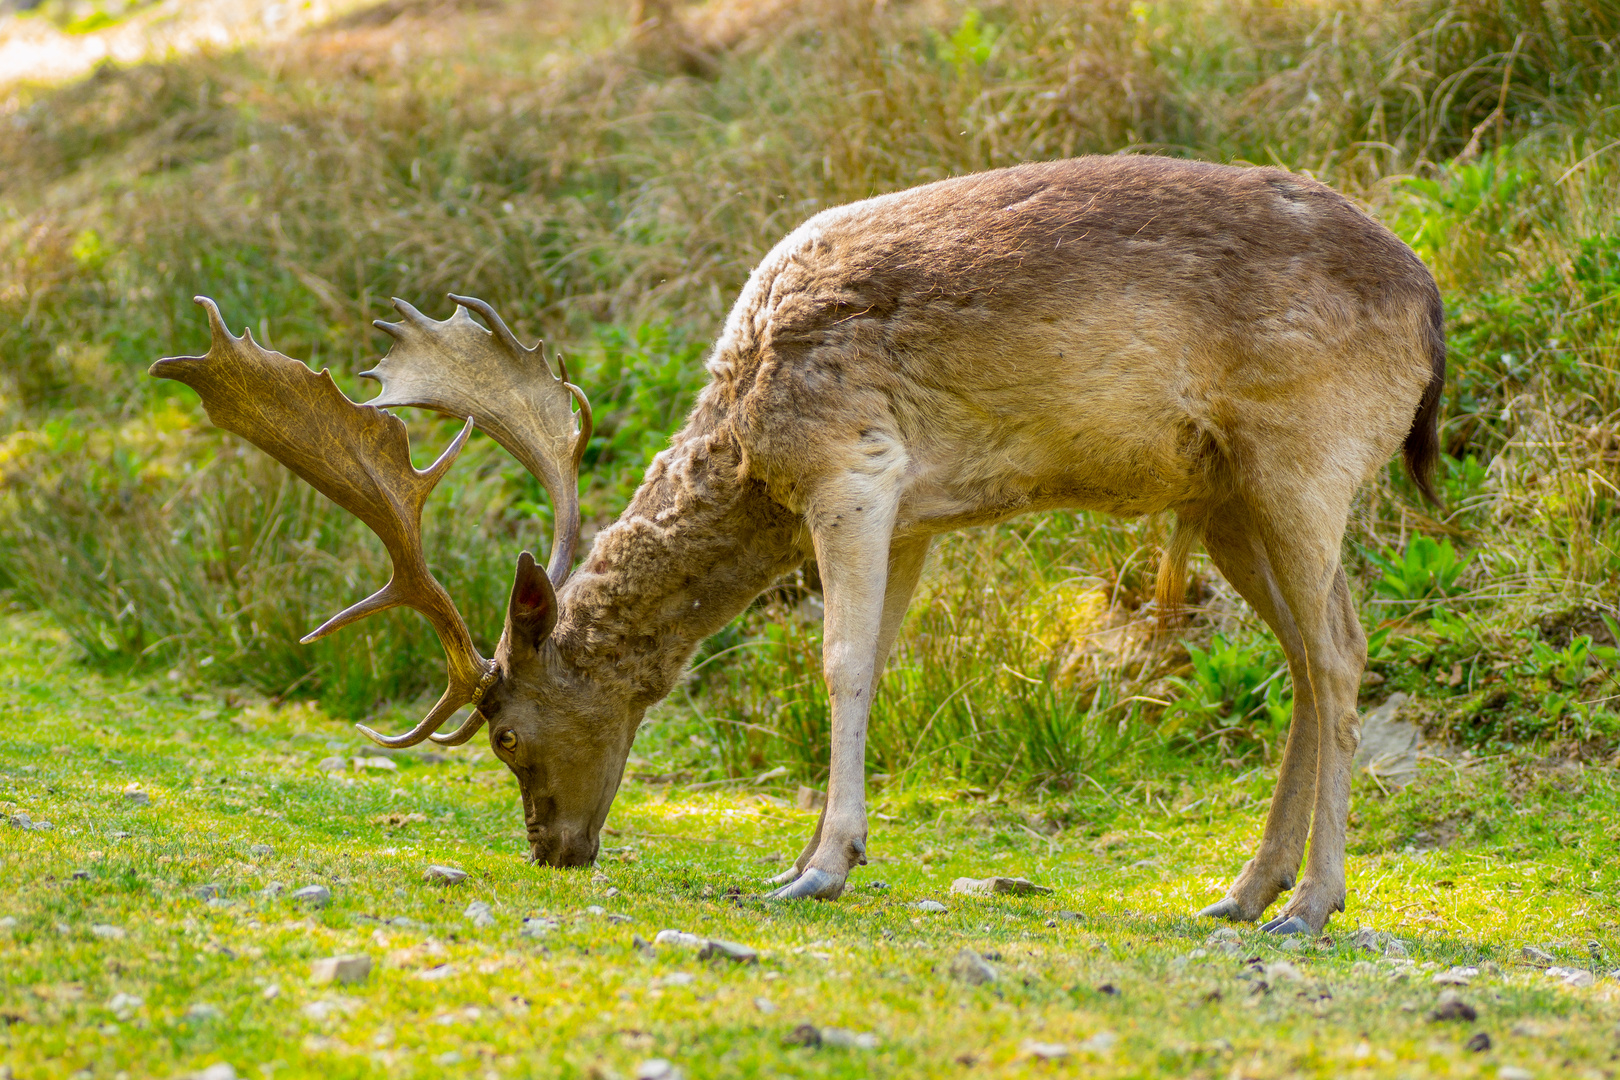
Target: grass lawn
118, 961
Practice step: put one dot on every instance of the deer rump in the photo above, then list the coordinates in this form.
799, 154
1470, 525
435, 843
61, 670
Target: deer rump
1241, 346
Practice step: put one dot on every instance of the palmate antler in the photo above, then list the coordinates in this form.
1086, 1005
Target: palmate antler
359, 456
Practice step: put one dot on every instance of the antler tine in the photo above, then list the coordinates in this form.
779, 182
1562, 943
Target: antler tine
359, 457
459, 368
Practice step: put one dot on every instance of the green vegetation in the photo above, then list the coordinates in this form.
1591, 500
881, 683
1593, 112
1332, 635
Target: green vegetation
1472, 861
604, 197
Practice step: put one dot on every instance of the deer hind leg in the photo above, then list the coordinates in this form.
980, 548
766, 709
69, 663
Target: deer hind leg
851, 517
1286, 565
906, 559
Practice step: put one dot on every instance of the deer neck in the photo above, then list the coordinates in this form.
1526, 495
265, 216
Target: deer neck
697, 544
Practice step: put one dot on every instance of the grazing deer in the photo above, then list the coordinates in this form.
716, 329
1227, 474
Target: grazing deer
1125, 334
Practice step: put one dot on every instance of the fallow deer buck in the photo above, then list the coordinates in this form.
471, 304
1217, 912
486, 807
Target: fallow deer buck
1241, 346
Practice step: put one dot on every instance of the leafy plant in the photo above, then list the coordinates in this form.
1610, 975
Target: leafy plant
1426, 570
1235, 686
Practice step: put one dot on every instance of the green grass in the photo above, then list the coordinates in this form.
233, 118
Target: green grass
1525, 857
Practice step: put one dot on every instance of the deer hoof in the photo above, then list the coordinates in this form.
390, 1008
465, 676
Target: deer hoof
791, 874
1227, 909
1284, 926
813, 883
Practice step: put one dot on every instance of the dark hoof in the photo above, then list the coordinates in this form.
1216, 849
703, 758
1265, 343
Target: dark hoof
813, 883
1227, 909
1283, 927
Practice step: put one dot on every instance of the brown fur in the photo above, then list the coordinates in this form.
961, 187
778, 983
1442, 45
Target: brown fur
1243, 347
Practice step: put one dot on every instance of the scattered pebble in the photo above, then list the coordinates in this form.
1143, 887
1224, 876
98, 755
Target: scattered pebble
352, 968
1513, 1072
260, 851
274, 889
448, 1058
202, 1012
8, 922
616, 917
271, 992
537, 927
1044, 1051
1535, 955
360, 763
1070, 916
848, 1040
479, 914
596, 909
1100, 1043
803, 1035
81, 875
1575, 977
678, 937
1224, 933
332, 764
26, 824
314, 895
1478, 1042
809, 798
996, 886
676, 978
929, 905
217, 1071
1452, 1007
1282, 971
123, 1006
971, 968
657, 1069
137, 798
444, 875
1457, 976
120, 834
765, 1005
205, 892
728, 950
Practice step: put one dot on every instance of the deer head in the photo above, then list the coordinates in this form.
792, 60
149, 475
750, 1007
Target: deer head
549, 729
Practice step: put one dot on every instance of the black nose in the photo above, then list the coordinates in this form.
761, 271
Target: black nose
562, 847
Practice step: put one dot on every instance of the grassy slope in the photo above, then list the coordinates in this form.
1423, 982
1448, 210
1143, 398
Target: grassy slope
582, 1001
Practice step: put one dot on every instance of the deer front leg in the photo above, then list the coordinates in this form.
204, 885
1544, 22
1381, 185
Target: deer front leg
851, 522
906, 559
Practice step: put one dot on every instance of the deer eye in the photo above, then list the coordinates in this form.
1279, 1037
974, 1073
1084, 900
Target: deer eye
507, 739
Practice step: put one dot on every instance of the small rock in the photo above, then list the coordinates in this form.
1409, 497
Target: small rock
120, 834
803, 1035
81, 875
596, 909
997, 886
1457, 976
929, 905
1578, 979
728, 950
218, 1071
657, 1069
1225, 933
971, 968
848, 1040
123, 1006
205, 892
676, 978
1535, 955
1070, 916
1452, 1007
620, 919
444, 875
373, 763
320, 1010
202, 1012
352, 968
1394, 948
610, 893
1044, 1051
272, 890
332, 764
108, 933
1478, 1042
137, 798
877, 886
271, 992
1513, 1072
809, 798
678, 937
765, 1005
260, 851
1368, 939
1282, 971
448, 1058
317, 896
1100, 1043
537, 927
479, 914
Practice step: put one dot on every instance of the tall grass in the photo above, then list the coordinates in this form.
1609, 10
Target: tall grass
536, 155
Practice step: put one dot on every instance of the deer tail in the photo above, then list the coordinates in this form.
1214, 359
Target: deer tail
1171, 587
1422, 447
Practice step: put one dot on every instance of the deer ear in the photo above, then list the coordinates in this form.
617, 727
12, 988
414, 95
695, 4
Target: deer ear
532, 612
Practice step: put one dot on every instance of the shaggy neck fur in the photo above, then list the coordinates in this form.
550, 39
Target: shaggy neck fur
697, 544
